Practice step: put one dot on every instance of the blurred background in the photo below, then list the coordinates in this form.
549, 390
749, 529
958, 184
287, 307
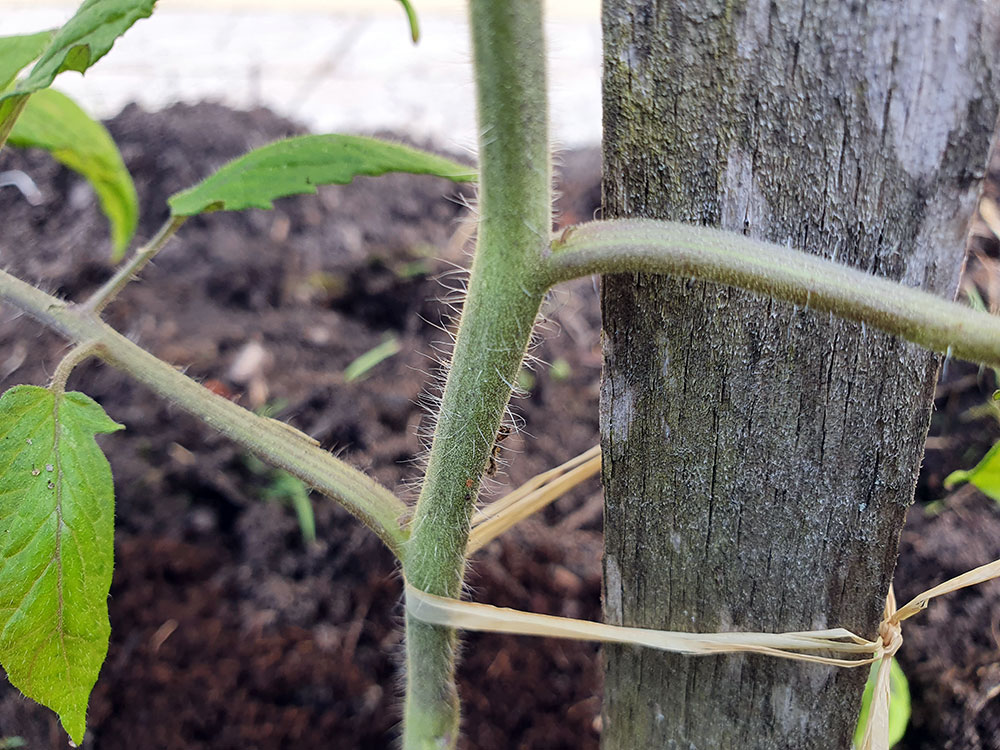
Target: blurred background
332, 65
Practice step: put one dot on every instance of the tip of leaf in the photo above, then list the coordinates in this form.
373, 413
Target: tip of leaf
956, 477
118, 247
75, 724
123, 229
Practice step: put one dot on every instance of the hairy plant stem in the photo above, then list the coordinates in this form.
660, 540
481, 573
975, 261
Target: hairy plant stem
644, 245
273, 442
505, 292
66, 365
110, 289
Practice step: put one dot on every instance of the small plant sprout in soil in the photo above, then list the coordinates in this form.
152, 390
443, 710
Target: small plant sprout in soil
56, 495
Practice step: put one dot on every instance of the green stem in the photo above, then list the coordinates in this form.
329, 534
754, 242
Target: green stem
631, 245
505, 293
411, 18
273, 442
75, 356
10, 110
100, 299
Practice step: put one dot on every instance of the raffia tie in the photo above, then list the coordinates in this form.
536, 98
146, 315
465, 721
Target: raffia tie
853, 650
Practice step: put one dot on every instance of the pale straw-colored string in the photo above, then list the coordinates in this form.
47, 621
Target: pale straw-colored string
990, 214
803, 646
530, 497
819, 646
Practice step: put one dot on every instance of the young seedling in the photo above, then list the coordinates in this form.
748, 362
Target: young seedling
56, 500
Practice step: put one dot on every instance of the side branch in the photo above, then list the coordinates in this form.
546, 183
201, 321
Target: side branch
100, 299
272, 441
626, 246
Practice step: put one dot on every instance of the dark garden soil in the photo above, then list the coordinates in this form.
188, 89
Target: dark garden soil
230, 631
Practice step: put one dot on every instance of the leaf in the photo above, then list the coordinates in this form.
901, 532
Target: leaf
17, 52
899, 706
54, 122
56, 547
82, 41
291, 489
985, 475
389, 347
411, 17
297, 165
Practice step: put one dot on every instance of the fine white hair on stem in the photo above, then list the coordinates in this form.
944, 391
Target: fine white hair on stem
556, 151
454, 280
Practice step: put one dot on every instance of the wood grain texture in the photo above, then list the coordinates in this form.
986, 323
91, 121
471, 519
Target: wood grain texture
759, 458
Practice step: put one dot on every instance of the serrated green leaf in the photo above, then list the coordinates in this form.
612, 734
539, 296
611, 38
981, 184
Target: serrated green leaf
899, 705
82, 41
56, 548
297, 165
17, 52
985, 475
55, 122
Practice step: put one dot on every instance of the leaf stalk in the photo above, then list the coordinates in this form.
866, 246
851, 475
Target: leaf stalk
273, 442
74, 357
130, 271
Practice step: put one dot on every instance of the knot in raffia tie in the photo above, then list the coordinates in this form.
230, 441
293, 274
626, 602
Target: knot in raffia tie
891, 634
890, 631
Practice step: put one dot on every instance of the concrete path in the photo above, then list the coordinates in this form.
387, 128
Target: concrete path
334, 65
